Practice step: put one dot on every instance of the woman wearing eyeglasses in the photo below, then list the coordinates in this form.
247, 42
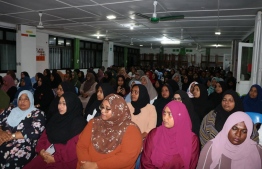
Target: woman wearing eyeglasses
111, 140
160, 103
214, 121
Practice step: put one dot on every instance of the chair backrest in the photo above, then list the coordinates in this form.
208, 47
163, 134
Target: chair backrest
255, 116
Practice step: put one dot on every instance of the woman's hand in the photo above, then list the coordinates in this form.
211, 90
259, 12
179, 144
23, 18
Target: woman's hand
123, 91
4, 136
88, 165
118, 89
49, 158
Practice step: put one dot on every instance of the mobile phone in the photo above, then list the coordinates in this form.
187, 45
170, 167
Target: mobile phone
51, 149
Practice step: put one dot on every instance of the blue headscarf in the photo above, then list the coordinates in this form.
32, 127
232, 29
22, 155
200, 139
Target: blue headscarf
17, 115
27, 86
253, 105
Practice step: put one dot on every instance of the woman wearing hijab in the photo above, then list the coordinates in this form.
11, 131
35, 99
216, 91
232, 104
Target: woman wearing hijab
9, 87
182, 96
43, 94
121, 86
131, 83
61, 89
75, 81
212, 87
37, 75
93, 110
142, 113
81, 77
200, 101
160, 103
150, 89
173, 144
177, 77
158, 86
87, 89
62, 132
26, 84
20, 130
253, 100
216, 97
186, 83
108, 78
111, 139
191, 89
232, 147
55, 80
214, 121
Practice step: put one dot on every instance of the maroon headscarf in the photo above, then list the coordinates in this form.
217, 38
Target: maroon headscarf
175, 140
10, 82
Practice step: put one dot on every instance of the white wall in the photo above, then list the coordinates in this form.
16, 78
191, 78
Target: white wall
42, 42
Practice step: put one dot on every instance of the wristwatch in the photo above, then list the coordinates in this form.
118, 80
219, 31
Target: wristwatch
13, 135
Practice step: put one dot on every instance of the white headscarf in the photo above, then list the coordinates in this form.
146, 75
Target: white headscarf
17, 115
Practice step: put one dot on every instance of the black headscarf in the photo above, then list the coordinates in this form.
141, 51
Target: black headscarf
173, 84
62, 128
216, 98
161, 102
201, 104
67, 87
57, 80
159, 88
36, 83
107, 89
222, 115
190, 108
143, 99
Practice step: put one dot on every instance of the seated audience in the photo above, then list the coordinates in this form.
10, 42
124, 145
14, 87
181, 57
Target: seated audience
173, 144
121, 87
253, 100
131, 83
9, 87
62, 132
4, 101
216, 97
150, 89
110, 140
232, 146
20, 128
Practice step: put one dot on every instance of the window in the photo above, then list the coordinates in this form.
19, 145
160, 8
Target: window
90, 54
119, 56
7, 50
60, 53
132, 57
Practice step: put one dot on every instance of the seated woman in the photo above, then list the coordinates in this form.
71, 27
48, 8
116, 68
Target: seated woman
20, 128
182, 96
191, 89
111, 139
216, 97
87, 89
142, 113
121, 87
214, 121
61, 89
253, 100
93, 110
160, 103
62, 132
232, 147
173, 144
43, 94
131, 83
9, 87
150, 88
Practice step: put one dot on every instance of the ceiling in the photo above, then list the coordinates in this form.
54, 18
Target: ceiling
235, 19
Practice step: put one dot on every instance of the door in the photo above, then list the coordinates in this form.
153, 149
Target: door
245, 52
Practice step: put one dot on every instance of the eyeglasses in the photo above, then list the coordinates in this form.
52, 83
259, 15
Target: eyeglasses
177, 99
101, 107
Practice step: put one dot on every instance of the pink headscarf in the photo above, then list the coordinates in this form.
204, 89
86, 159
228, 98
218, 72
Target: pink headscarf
176, 140
244, 155
10, 82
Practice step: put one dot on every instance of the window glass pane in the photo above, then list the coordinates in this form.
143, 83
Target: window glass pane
98, 59
1, 35
94, 45
11, 36
100, 47
82, 44
88, 45
54, 58
66, 57
7, 57
52, 40
61, 42
68, 42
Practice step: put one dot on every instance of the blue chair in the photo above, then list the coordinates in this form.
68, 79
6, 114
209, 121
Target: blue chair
256, 117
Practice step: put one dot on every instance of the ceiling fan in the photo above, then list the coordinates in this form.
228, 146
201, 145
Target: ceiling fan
155, 19
40, 24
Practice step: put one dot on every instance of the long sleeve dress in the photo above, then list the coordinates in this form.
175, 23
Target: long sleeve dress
65, 154
123, 157
18, 152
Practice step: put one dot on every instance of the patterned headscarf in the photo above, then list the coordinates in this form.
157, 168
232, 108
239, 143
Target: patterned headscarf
108, 134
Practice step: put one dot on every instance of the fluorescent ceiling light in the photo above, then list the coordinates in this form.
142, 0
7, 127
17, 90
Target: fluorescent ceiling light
140, 45
218, 33
170, 42
111, 17
217, 45
131, 27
